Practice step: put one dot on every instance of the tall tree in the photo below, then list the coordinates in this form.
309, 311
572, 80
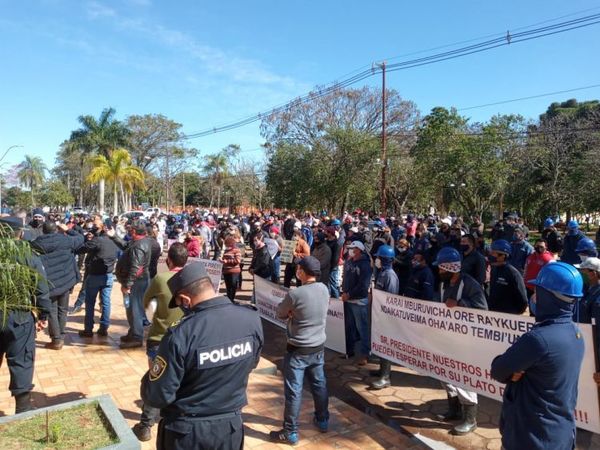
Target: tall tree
337, 138
32, 173
216, 166
466, 164
118, 172
101, 137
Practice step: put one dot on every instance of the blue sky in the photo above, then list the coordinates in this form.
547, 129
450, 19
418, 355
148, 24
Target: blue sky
204, 64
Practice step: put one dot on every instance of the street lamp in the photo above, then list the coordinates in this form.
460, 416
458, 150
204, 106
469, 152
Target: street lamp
4, 156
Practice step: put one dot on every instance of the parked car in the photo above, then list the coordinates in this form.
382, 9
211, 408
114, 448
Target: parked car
132, 215
152, 211
78, 210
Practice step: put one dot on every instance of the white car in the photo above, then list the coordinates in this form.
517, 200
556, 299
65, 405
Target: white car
152, 211
132, 215
78, 210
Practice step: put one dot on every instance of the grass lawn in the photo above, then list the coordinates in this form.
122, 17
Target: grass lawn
83, 427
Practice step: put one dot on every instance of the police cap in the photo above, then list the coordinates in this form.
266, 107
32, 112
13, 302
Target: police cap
16, 223
186, 276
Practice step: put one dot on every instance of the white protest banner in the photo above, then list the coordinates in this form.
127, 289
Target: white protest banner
457, 345
335, 329
268, 295
287, 254
214, 269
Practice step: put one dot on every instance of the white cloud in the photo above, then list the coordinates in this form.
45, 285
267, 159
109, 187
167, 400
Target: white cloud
97, 10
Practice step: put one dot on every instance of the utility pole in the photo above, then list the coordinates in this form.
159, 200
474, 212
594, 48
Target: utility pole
183, 174
384, 161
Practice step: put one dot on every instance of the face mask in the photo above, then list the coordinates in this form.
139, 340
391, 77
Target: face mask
416, 264
35, 223
446, 276
583, 257
378, 263
492, 259
465, 248
540, 250
572, 232
401, 249
186, 309
273, 235
586, 278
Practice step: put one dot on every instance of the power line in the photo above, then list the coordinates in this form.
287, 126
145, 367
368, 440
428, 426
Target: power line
490, 44
530, 97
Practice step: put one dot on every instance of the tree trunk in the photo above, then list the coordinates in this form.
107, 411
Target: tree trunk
101, 196
115, 200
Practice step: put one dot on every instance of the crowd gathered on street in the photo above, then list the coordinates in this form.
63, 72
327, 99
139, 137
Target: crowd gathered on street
198, 363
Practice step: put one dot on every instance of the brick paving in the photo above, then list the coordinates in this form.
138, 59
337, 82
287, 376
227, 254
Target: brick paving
360, 417
88, 367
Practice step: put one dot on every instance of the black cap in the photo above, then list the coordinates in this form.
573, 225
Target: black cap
38, 212
186, 276
16, 223
310, 265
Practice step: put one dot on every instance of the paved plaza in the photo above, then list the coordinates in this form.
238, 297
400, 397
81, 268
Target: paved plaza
401, 416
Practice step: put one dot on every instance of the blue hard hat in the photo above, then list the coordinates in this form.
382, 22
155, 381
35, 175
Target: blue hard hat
560, 277
447, 255
585, 245
501, 245
572, 224
385, 251
336, 223
548, 222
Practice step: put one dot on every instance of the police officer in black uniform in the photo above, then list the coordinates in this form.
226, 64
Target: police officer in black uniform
18, 324
200, 374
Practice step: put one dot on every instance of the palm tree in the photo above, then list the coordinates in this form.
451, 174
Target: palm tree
118, 172
32, 173
216, 167
100, 136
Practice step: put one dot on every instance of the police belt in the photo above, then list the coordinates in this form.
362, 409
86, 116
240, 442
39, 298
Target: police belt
200, 416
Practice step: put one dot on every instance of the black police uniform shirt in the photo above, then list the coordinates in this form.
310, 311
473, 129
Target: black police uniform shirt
203, 362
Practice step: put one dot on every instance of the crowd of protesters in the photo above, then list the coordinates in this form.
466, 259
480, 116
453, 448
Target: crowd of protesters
429, 258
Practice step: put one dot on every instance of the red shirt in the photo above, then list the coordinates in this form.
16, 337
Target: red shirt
534, 264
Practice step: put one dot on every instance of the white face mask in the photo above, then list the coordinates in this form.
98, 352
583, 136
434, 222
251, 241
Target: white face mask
378, 263
583, 257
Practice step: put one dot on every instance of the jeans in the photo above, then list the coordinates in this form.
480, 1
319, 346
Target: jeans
295, 366
135, 310
356, 318
232, 281
95, 284
276, 269
81, 297
288, 274
334, 285
58, 315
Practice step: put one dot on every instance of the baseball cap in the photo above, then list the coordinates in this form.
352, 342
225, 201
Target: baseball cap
186, 276
357, 244
310, 265
591, 263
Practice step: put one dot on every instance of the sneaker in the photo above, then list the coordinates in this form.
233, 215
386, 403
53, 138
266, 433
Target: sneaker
147, 323
126, 338
322, 425
75, 309
284, 437
131, 344
142, 432
86, 334
102, 331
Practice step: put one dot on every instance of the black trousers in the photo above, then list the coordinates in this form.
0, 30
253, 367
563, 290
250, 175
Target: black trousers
17, 341
232, 281
186, 433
